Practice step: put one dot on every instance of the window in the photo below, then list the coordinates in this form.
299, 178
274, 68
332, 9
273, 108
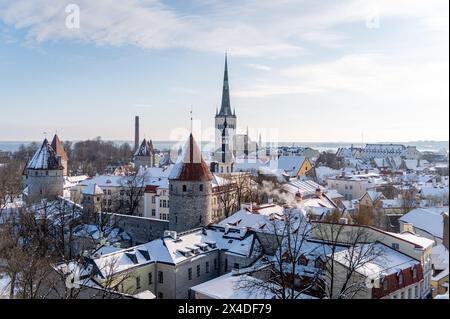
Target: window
153, 212
385, 285
400, 279
150, 278
395, 246
236, 266
409, 293
302, 260
122, 192
414, 273
153, 199
402, 295
319, 264
226, 265
164, 203
160, 295
207, 267
160, 277
215, 263
138, 282
200, 187
184, 188
46, 173
109, 192
109, 202
190, 273
198, 270
416, 291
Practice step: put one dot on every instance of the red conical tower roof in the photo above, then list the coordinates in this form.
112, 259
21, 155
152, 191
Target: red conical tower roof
190, 165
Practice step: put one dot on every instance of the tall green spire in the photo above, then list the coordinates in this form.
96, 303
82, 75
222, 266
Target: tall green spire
225, 108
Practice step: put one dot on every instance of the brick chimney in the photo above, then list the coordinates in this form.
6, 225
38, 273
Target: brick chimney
445, 236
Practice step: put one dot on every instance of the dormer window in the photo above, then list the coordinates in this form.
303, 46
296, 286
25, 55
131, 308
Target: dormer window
319, 264
414, 273
385, 285
302, 260
400, 278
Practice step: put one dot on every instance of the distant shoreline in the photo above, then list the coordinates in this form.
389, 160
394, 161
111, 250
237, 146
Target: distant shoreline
11, 146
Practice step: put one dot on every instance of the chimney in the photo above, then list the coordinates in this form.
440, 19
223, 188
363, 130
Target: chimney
445, 236
318, 193
408, 227
136, 133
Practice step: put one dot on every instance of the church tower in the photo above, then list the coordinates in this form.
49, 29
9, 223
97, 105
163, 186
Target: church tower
225, 113
190, 190
225, 156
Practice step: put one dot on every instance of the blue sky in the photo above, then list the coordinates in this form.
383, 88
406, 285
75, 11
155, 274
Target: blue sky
314, 70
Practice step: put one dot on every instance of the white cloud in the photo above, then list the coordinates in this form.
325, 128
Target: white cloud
259, 67
246, 28
370, 74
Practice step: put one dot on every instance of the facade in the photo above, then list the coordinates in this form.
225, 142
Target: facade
354, 186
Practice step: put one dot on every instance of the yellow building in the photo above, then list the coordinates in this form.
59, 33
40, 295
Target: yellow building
294, 166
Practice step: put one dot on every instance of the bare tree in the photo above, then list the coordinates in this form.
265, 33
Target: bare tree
285, 243
128, 200
356, 247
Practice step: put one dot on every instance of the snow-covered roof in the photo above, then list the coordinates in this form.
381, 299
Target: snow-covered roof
377, 260
122, 260
414, 238
434, 191
305, 187
374, 195
439, 257
92, 189
44, 158
427, 219
197, 242
229, 286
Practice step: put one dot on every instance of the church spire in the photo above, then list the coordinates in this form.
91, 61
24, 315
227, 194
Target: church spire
225, 108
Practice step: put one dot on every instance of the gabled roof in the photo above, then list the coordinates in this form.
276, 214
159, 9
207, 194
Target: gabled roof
191, 165
58, 147
146, 149
291, 164
44, 158
92, 189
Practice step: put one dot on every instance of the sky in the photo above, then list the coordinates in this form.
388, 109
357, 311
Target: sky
313, 71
